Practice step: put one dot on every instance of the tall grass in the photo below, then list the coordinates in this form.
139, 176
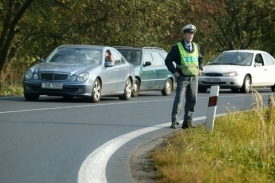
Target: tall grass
241, 148
12, 75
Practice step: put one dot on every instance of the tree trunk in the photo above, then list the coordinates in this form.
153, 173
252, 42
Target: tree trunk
15, 11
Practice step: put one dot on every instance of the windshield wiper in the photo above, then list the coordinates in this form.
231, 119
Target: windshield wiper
215, 64
231, 64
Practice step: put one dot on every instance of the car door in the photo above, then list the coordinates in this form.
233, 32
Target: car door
270, 68
260, 75
147, 72
108, 77
160, 70
257, 70
122, 71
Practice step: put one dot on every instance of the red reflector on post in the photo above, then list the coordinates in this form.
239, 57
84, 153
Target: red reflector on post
212, 101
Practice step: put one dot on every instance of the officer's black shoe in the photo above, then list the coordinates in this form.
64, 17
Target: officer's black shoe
185, 126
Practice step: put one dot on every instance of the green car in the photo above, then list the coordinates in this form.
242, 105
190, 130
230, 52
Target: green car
150, 70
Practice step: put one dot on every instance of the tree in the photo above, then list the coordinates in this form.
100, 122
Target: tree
234, 24
14, 11
31, 29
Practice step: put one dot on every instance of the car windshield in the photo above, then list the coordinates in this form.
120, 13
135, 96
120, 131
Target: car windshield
132, 56
75, 56
163, 54
233, 58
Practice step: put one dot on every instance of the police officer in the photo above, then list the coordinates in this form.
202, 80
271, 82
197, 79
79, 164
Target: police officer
189, 64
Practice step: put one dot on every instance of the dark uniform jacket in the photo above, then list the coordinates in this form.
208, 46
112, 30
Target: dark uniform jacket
174, 56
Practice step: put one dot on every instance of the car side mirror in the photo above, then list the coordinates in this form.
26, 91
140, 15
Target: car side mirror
257, 64
40, 60
108, 64
147, 63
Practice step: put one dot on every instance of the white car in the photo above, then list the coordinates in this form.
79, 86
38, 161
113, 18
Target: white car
239, 70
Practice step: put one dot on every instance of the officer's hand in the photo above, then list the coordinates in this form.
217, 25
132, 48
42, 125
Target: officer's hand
200, 72
176, 74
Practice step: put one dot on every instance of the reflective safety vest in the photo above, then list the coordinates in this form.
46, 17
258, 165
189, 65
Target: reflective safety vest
189, 61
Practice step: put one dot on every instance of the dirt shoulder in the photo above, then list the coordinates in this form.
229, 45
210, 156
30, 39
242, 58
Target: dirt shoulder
142, 169
141, 166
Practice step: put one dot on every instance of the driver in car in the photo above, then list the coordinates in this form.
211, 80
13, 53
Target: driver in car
109, 57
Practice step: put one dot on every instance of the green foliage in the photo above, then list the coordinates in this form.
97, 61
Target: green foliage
13, 74
222, 25
11, 91
233, 24
239, 149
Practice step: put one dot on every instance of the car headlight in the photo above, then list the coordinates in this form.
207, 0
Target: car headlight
83, 76
202, 74
28, 74
230, 74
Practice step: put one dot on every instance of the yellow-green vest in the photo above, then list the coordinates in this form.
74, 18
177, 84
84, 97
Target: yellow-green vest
189, 61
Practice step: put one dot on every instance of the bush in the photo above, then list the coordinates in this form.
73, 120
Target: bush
11, 91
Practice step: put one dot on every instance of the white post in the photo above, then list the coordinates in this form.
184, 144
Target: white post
212, 106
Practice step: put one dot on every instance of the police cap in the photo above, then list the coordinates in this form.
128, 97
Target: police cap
189, 29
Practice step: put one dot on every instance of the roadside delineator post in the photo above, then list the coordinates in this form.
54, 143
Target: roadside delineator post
212, 107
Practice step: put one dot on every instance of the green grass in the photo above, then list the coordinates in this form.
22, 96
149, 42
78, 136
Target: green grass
11, 91
241, 148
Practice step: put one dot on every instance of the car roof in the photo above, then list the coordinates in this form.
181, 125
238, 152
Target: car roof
138, 48
246, 51
83, 46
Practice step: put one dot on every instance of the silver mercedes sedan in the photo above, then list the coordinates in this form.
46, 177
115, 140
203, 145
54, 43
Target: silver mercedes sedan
80, 71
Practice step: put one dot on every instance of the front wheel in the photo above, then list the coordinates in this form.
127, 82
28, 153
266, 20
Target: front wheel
127, 90
168, 87
273, 88
96, 92
135, 88
246, 88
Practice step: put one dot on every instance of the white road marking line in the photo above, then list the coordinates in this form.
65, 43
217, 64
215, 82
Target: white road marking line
93, 168
93, 105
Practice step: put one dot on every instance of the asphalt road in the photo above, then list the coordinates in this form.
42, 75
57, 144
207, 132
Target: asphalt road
57, 141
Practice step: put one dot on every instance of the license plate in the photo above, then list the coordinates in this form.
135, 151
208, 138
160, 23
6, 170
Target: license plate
52, 85
212, 80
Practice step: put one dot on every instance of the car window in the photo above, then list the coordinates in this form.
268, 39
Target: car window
75, 56
269, 60
158, 60
126, 54
259, 59
163, 54
132, 56
123, 60
116, 56
93, 55
233, 58
148, 57
60, 55
135, 57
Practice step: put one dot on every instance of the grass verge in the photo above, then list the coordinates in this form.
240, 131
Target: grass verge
241, 148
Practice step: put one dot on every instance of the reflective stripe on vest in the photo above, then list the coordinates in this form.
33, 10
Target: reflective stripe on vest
189, 61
